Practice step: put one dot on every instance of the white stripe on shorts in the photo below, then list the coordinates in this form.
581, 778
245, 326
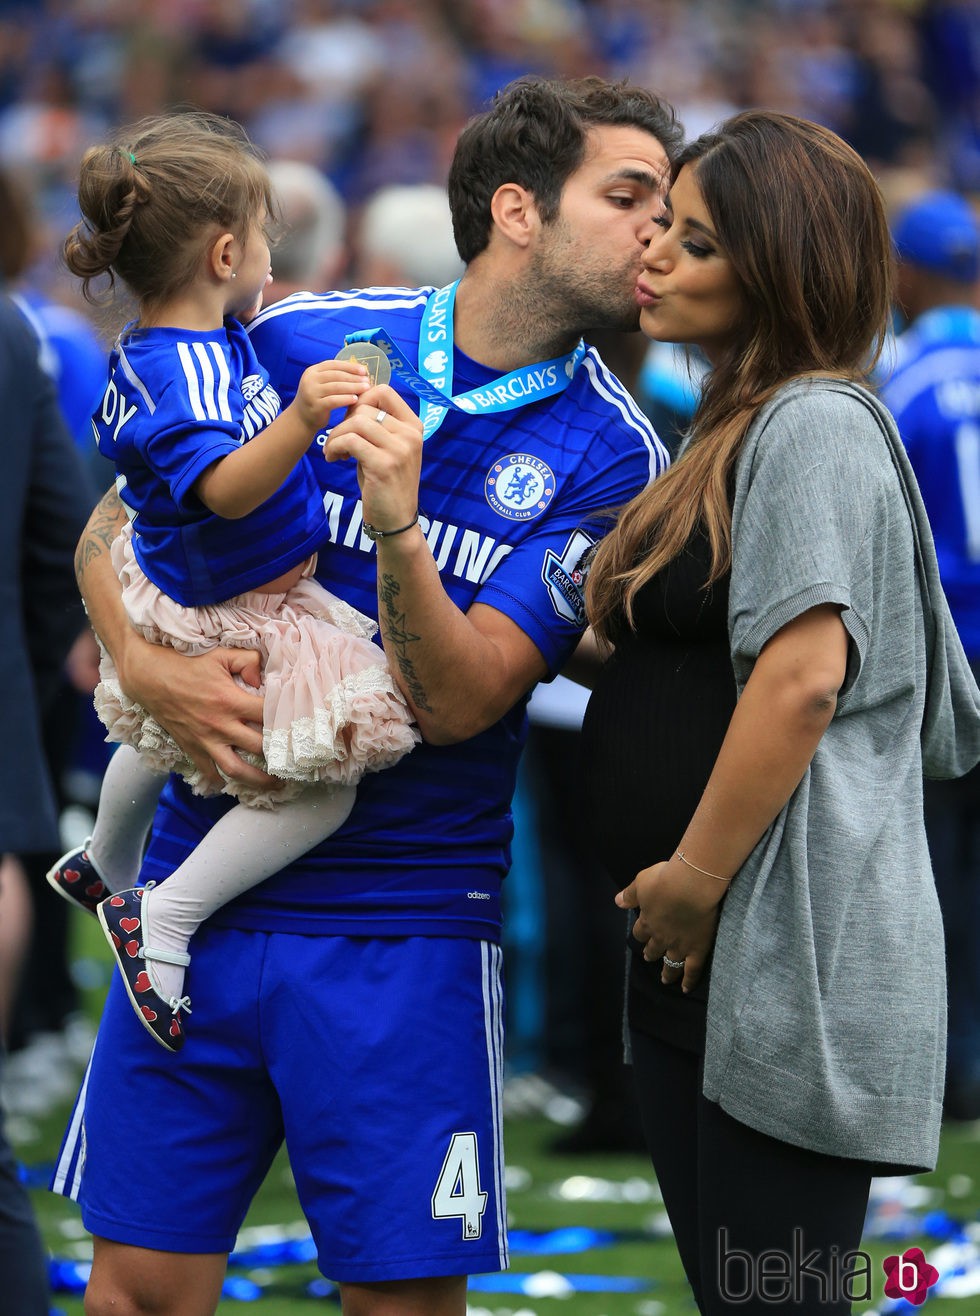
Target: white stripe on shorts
67, 1177
493, 1013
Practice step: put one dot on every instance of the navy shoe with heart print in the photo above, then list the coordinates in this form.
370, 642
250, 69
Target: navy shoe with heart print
122, 922
76, 877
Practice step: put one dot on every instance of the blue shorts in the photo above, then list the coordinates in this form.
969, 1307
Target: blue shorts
378, 1061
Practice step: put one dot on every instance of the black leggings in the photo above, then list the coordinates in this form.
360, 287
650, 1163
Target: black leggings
762, 1227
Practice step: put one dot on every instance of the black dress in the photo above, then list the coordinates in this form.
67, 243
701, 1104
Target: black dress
652, 731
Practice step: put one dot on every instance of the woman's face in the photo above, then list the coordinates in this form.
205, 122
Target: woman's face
688, 292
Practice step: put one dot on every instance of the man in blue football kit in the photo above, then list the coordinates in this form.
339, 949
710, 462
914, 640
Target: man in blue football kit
933, 391
352, 1004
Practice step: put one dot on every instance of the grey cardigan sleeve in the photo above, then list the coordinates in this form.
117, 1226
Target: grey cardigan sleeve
807, 487
817, 480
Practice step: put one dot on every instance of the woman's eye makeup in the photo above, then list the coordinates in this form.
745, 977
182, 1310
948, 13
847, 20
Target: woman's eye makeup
698, 250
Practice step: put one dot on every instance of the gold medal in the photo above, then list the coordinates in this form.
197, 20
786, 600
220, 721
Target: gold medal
371, 358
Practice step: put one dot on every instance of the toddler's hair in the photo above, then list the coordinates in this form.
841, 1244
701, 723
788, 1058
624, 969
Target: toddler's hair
157, 194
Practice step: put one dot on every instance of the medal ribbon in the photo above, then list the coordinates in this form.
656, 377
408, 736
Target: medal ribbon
432, 382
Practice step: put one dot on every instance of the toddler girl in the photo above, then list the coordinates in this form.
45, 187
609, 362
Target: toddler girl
225, 518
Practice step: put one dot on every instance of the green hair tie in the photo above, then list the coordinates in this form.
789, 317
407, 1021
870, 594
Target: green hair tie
132, 158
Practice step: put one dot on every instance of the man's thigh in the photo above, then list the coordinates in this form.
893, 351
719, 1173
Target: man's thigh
163, 1151
387, 1057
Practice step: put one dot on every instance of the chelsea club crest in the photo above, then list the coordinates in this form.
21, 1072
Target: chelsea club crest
520, 486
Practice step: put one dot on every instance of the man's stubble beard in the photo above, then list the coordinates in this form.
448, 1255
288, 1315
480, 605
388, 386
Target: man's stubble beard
576, 291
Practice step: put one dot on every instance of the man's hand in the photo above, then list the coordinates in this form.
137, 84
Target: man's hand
82, 663
201, 703
388, 452
460, 672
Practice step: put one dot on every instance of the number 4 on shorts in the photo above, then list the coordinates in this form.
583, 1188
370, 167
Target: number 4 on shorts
457, 1191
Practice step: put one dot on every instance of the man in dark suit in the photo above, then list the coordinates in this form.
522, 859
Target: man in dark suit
44, 502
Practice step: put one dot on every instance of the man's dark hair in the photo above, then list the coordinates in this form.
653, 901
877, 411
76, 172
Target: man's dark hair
535, 134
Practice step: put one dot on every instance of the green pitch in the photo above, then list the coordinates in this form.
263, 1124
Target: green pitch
611, 1200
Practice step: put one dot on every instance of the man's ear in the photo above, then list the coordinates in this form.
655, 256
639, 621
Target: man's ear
221, 256
515, 213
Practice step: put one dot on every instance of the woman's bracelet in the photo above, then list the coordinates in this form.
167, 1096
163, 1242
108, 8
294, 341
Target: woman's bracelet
684, 860
373, 532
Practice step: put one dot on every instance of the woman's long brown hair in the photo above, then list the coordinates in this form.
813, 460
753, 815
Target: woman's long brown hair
800, 216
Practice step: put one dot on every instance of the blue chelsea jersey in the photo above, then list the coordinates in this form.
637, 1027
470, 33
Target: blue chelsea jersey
511, 503
933, 391
176, 402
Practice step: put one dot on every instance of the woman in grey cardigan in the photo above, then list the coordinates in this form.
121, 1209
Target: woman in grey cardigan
784, 670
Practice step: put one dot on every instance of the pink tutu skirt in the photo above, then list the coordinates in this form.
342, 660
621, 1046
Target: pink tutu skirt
332, 710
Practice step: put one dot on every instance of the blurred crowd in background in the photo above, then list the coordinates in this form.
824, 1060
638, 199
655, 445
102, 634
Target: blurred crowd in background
373, 92
358, 104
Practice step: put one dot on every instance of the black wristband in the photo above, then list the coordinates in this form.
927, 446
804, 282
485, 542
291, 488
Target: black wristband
373, 532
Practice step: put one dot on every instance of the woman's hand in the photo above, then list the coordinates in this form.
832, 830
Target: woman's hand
678, 917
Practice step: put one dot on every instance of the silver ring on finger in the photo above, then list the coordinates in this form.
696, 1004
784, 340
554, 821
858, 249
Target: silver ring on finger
672, 964
380, 417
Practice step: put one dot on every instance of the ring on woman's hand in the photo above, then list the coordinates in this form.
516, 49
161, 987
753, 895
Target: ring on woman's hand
380, 417
673, 964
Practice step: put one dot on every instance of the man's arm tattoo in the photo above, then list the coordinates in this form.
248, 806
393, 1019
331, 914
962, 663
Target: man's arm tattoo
399, 637
102, 529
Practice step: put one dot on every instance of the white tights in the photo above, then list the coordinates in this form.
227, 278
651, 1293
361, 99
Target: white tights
243, 848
